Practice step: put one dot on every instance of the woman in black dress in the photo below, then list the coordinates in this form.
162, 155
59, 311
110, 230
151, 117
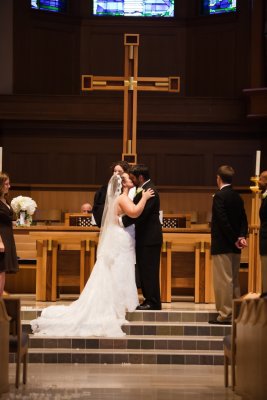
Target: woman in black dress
8, 255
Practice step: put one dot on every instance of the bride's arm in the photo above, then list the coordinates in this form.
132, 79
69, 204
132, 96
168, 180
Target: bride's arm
134, 210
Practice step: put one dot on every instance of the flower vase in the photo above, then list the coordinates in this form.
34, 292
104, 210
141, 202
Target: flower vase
22, 217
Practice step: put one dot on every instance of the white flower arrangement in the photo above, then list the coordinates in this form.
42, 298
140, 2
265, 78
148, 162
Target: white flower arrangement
26, 204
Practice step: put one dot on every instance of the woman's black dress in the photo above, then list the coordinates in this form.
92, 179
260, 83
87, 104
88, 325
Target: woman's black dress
8, 259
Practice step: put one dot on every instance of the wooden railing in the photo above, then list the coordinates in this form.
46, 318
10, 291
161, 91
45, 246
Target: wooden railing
65, 256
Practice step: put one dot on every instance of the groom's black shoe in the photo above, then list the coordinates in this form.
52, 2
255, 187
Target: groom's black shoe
147, 307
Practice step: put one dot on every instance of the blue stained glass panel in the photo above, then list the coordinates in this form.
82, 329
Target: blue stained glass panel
219, 6
134, 8
49, 5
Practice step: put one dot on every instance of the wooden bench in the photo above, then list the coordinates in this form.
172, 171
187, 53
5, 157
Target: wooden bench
251, 349
79, 248
18, 340
185, 243
24, 280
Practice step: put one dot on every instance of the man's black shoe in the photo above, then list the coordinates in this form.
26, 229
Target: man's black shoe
215, 321
147, 307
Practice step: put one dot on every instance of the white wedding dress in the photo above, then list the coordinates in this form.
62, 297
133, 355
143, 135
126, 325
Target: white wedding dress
109, 293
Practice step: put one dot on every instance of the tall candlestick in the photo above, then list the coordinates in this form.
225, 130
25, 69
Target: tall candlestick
258, 160
1, 155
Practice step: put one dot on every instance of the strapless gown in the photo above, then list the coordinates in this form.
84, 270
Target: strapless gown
109, 292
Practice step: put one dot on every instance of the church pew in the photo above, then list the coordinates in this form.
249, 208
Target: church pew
24, 280
251, 349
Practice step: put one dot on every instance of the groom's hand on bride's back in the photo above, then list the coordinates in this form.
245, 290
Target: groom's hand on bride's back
148, 193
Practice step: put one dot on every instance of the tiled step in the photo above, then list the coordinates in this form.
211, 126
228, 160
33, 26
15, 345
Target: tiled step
121, 356
158, 337
129, 342
166, 329
29, 313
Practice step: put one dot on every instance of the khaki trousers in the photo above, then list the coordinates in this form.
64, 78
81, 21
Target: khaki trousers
225, 282
264, 273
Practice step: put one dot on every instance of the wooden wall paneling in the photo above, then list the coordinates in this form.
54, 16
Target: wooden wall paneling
152, 163
47, 51
258, 23
27, 166
211, 43
52, 65
86, 159
226, 114
184, 169
69, 166
178, 201
208, 48
62, 160
64, 200
106, 53
185, 202
242, 164
6, 47
156, 46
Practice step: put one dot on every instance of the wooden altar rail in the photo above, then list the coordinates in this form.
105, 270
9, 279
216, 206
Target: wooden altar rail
203, 292
49, 245
52, 242
47, 274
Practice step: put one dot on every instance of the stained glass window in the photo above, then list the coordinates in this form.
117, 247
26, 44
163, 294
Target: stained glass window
218, 6
134, 8
49, 5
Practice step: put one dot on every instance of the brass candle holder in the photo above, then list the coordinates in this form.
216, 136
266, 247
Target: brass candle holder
255, 188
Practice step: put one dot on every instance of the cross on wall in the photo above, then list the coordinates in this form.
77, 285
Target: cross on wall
130, 84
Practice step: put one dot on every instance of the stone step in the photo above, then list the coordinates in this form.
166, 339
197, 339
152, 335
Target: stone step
142, 328
129, 342
125, 356
152, 337
165, 315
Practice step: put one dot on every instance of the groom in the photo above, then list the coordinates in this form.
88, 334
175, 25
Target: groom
148, 235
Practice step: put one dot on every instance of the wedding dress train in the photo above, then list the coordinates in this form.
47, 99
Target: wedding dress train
109, 293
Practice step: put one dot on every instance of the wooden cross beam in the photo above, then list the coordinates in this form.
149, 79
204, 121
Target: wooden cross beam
130, 84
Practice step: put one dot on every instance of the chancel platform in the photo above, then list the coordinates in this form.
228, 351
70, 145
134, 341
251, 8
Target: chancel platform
178, 334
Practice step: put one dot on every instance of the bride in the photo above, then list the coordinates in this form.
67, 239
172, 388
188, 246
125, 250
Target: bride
110, 291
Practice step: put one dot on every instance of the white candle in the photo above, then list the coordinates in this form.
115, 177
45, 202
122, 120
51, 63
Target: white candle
258, 160
1, 153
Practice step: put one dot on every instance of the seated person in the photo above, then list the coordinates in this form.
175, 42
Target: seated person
86, 208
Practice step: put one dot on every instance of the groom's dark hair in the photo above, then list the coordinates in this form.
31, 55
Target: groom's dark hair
140, 169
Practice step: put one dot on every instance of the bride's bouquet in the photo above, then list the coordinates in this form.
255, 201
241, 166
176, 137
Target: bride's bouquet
24, 207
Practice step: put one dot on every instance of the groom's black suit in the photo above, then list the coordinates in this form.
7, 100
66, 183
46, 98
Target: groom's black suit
148, 235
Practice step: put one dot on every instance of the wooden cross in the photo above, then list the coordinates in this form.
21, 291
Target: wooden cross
130, 84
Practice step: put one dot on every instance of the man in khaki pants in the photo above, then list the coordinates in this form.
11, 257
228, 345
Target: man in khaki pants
229, 228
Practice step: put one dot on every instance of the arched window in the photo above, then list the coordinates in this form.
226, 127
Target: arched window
49, 5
